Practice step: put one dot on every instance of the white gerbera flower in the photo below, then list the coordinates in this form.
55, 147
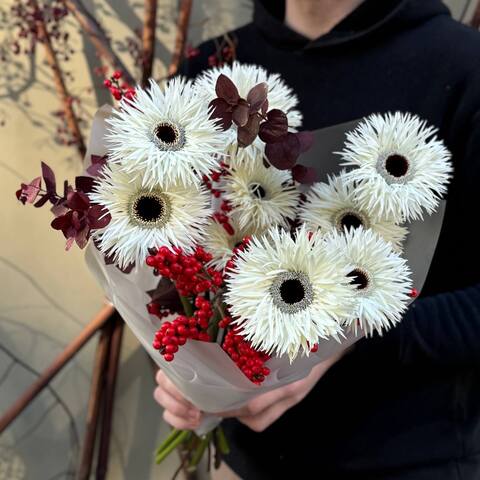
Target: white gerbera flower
165, 133
219, 243
285, 293
244, 76
334, 205
403, 168
145, 217
380, 275
261, 196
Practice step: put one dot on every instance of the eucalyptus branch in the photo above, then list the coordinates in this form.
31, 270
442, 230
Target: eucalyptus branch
181, 38
60, 86
98, 37
148, 40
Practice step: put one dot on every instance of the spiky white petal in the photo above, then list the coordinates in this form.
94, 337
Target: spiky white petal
134, 145
245, 76
261, 196
127, 238
388, 138
329, 205
218, 242
272, 324
381, 304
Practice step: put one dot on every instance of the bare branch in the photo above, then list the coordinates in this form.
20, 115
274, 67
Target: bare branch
98, 37
60, 86
181, 39
148, 39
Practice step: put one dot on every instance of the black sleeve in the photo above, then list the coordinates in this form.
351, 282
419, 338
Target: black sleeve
444, 328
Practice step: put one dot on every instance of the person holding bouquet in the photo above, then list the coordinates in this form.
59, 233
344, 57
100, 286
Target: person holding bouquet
406, 405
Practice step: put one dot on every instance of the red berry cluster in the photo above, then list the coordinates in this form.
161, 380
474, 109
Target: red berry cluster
172, 335
221, 56
230, 265
191, 52
154, 308
250, 361
188, 272
117, 89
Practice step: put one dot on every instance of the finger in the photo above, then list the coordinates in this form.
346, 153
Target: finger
179, 422
260, 403
258, 423
174, 406
167, 385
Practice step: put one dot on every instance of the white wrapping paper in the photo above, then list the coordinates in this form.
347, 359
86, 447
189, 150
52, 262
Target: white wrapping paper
202, 371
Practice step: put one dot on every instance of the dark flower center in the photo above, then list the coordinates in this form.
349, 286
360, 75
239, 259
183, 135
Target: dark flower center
256, 190
350, 220
292, 291
149, 208
167, 133
359, 279
397, 165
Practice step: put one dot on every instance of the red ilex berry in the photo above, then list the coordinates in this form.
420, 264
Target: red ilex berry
250, 361
117, 74
314, 348
414, 293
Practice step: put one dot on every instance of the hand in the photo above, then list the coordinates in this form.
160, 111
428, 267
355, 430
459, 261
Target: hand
178, 412
265, 409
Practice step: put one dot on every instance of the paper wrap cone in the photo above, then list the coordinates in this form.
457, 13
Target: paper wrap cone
202, 371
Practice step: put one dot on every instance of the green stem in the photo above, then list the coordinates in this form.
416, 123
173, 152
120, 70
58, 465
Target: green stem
222, 441
187, 306
172, 446
171, 437
197, 455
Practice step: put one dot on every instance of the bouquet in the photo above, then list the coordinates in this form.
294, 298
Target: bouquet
237, 267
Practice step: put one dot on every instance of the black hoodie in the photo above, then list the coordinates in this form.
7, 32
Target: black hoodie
405, 406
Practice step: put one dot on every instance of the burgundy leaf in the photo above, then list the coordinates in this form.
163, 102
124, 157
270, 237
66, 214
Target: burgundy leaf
257, 96
84, 184
306, 140
98, 217
247, 134
49, 178
60, 222
275, 127
240, 113
264, 107
226, 89
304, 174
59, 209
81, 238
76, 220
166, 295
69, 243
223, 111
284, 153
97, 166
77, 201
43, 200
28, 193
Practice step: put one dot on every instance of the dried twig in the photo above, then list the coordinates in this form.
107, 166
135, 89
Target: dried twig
98, 37
60, 85
148, 39
181, 39
109, 395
